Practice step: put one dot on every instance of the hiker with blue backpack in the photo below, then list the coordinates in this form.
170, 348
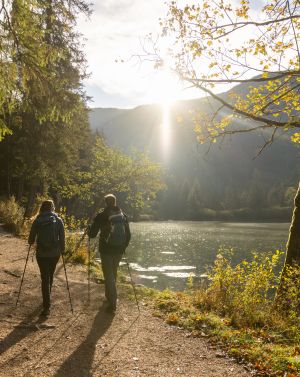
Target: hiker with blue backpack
48, 231
114, 238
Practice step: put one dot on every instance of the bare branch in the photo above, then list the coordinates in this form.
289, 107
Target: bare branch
217, 112
267, 143
254, 23
294, 31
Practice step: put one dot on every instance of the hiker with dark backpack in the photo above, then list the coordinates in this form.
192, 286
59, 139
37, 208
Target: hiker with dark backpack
48, 231
114, 238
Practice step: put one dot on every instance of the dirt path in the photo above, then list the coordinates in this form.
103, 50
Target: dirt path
91, 342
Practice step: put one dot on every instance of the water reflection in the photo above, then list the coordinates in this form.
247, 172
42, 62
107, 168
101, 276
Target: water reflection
175, 250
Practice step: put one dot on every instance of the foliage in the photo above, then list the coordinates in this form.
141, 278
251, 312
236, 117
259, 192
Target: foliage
210, 51
135, 178
76, 249
244, 292
11, 215
236, 311
218, 43
46, 115
288, 296
44, 106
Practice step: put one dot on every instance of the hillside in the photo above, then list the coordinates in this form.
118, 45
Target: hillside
227, 178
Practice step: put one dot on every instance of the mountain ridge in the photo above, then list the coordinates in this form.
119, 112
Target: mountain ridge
226, 178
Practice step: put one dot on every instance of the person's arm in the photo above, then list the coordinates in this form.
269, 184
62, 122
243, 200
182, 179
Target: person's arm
127, 230
95, 227
32, 234
61, 235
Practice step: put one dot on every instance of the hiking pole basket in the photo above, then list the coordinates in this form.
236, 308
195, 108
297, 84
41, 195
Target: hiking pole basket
23, 275
64, 264
132, 283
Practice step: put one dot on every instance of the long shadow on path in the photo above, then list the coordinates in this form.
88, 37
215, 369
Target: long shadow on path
20, 331
79, 363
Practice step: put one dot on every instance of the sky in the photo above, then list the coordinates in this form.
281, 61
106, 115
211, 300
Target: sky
116, 31
114, 36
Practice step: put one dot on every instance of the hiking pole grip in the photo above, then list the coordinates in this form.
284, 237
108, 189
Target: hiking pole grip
64, 264
23, 275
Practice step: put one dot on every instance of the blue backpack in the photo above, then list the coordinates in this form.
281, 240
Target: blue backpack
117, 235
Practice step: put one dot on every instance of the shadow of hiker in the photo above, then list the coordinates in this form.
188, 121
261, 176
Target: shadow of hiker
21, 330
80, 361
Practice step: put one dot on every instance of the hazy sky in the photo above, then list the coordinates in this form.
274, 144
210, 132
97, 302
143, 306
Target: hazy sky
117, 30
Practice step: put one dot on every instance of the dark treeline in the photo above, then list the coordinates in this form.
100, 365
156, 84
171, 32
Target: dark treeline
47, 147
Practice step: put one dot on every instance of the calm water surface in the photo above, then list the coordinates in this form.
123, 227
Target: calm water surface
165, 254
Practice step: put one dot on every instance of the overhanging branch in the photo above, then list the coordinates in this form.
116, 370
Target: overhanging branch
245, 114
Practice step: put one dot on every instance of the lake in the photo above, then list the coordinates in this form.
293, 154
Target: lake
165, 254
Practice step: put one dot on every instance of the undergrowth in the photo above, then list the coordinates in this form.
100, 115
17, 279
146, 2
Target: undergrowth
236, 310
11, 215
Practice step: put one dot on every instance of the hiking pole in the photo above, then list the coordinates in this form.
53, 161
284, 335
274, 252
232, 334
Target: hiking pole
64, 264
89, 269
23, 275
132, 283
80, 240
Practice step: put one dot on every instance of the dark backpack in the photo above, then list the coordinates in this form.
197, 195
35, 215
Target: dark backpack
47, 232
117, 234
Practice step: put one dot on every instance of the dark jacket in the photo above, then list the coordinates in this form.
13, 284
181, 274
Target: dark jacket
60, 232
102, 223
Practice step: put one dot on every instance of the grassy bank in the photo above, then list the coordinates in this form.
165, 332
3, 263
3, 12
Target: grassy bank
235, 311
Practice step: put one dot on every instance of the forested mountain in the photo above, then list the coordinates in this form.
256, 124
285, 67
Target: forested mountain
223, 180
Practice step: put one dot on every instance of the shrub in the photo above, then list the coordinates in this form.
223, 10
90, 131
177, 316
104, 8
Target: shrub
244, 293
11, 215
288, 297
76, 248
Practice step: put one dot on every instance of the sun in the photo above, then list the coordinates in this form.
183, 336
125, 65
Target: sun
165, 87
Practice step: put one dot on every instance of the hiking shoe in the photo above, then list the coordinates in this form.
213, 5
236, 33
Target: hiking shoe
45, 312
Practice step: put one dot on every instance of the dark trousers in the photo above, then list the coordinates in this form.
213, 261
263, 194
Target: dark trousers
47, 268
110, 263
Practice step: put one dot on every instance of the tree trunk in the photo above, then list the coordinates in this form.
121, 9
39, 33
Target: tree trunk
286, 299
293, 244
20, 189
31, 200
8, 181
